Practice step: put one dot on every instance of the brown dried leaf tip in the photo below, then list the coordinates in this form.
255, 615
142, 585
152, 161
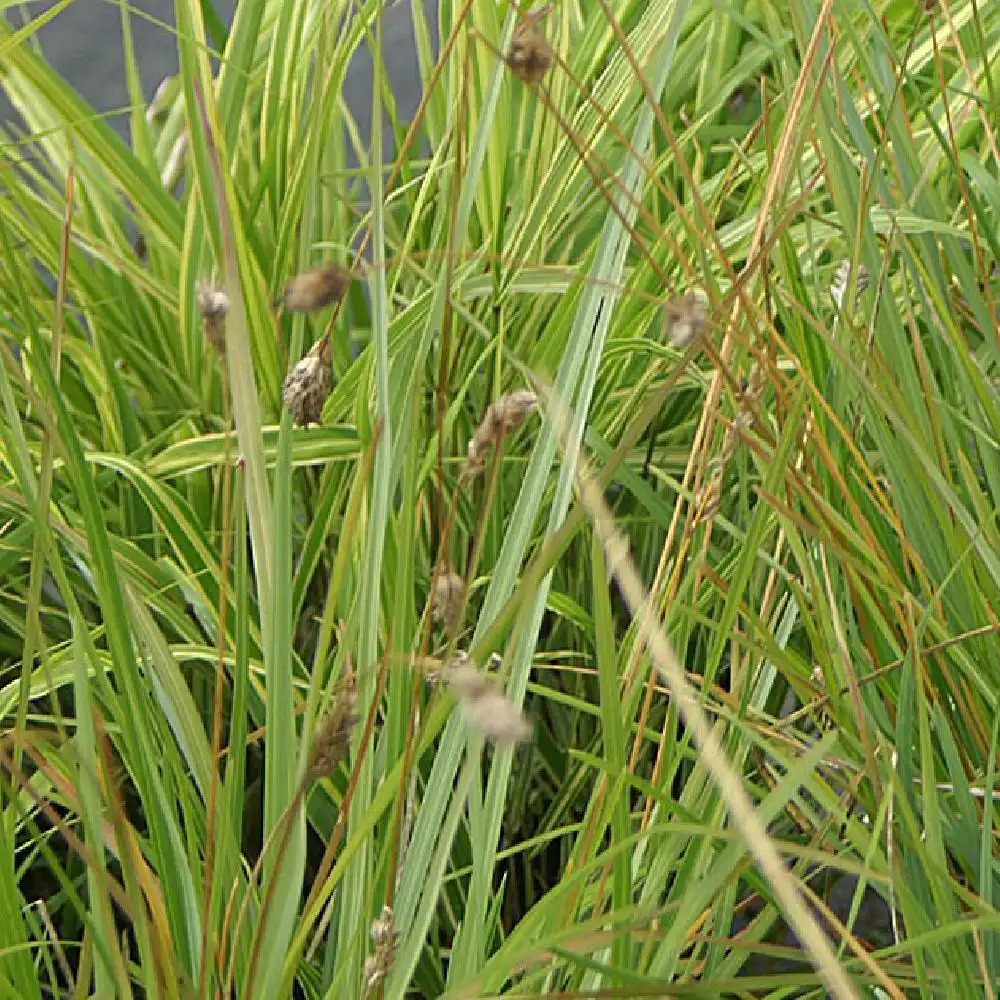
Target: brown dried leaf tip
385, 937
317, 288
213, 304
685, 318
307, 385
530, 54
487, 709
333, 739
506, 414
449, 599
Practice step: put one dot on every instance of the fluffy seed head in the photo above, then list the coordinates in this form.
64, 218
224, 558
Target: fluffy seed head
385, 935
317, 288
685, 317
333, 739
213, 304
506, 414
487, 708
449, 599
530, 54
307, 385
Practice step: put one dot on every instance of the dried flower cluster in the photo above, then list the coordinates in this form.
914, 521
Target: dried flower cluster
317, 288
307, 385
842, 278
685, 318
487, 709
449, 599
213, 304
334, 737
385, 937
506, 414
530, 54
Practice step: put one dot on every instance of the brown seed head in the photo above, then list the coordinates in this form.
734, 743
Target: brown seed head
307, 385
487, 708
213, 304
317, 288
530, 54
333, 739
449, 599
684, 318
506, 414
385, 935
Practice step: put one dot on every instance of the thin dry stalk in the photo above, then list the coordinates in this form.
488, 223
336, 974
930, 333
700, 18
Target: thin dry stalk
784, 160
415, 129
728, 781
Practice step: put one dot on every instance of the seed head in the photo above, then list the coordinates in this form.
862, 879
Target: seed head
486, 707
449, 599
317, 288
385, 935
506, 414
684, 318
213, 304
530, 54
307, 385
333, 739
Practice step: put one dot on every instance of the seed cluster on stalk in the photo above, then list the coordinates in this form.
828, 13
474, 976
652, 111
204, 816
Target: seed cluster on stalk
530, 55
501, 417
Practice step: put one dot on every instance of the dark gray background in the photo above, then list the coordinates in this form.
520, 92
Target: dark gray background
84, 43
